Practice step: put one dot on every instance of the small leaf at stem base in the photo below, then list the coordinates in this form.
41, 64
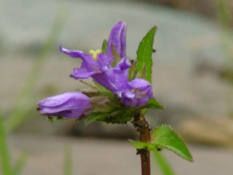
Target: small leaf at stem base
143, 145
165, 137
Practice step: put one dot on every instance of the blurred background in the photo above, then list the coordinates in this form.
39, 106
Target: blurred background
192, 78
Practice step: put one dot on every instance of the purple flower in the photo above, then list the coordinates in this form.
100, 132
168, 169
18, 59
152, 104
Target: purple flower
114, 79
138, 93
98, 65
68, 105
117, 38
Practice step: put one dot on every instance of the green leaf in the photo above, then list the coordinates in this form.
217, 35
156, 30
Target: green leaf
144, 54
152, 103
163, 163
104, 46
143, 145
165, 137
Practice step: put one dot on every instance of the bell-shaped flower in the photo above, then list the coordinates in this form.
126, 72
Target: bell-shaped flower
137, 93
67, 105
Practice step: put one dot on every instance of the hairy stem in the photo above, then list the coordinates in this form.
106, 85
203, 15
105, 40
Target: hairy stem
142, 127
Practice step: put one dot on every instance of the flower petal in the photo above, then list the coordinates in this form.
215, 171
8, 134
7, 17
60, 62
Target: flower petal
89, 65
70, 104
123, 64
75, 53
104, 61
82, 73
116, 78
139, 83
117, 37
138, 93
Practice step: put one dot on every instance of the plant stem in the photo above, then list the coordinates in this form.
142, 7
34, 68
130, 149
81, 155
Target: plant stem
142, 127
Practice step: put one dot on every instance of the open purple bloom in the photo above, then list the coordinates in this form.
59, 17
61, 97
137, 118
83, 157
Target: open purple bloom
138, 93
68, 105
98, 65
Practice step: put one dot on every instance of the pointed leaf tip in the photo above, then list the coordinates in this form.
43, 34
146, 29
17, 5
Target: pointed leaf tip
152, 103
144, 54
165, 137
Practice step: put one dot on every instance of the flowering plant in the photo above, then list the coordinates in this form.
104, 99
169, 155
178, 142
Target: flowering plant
121, 92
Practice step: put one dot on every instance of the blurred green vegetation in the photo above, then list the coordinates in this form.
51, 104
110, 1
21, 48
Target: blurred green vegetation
24, 104
162, 163
225, 18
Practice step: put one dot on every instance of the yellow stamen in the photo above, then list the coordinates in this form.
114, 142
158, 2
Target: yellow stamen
133, 90
95, 53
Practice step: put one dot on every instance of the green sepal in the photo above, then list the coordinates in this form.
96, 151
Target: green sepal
88, 84
113, 117
96, 116
100, 103
144, 55
153, 104
117, 58
118, 117
102, 89
132, 71
165, 137
116, 113
104, 46
96, 89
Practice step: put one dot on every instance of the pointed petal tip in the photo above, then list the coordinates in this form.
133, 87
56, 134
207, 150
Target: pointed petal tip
121, 23
60, 48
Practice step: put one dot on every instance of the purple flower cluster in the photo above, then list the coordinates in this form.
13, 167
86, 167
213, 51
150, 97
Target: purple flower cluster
99, 66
